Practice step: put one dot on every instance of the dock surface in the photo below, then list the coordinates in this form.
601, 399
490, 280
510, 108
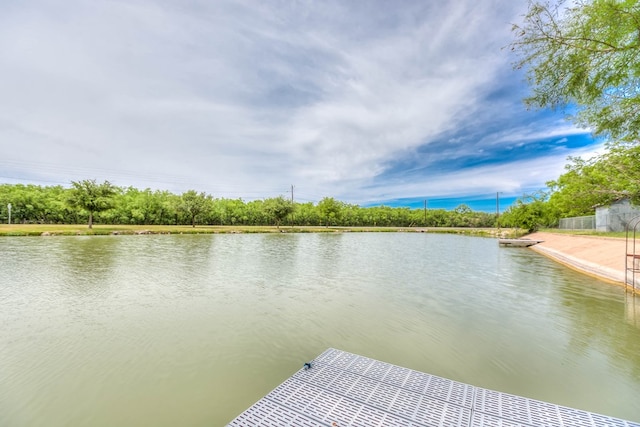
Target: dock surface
343, 389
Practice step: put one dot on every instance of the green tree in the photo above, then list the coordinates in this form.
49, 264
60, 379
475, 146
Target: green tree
529, 212
135, 206
194, 204
92, 197
169, 206
461, 216
307, 214
330, 209
58, 210
278, 209
29, 203
587, 54
600, 180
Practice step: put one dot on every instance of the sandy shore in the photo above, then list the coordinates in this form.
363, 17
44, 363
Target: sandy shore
602, 257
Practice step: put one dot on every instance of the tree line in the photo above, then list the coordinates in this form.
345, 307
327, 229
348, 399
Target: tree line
92, 202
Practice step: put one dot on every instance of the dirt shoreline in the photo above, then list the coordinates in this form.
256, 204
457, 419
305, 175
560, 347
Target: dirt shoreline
601, 257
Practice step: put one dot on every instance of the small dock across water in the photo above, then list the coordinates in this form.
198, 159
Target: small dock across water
518, 243
343, 389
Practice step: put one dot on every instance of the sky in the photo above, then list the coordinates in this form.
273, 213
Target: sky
368, 102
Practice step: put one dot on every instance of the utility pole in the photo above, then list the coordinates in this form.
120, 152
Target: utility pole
425, 212
9, 210
497, 209
292, 223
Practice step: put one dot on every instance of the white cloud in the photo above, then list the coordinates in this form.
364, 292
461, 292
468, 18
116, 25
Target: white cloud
244, 98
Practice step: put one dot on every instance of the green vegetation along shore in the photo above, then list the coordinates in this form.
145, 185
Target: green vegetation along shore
82, 230
92, 203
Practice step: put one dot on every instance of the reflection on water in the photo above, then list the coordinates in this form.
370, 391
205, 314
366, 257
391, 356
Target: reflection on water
191, 330
632, 305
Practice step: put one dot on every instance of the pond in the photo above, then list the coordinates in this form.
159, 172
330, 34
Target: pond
192, 330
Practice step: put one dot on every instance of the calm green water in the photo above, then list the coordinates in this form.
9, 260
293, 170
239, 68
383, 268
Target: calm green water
191, 330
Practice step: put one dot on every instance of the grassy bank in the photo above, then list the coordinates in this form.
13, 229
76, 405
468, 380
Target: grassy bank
101, 230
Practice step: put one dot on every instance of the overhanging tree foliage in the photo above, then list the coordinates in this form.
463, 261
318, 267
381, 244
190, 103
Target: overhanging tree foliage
585, 53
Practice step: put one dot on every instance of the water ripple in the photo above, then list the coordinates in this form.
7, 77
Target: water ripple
90, 324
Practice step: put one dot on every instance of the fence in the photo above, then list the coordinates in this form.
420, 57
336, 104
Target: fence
614, 221
578, 223
616, 216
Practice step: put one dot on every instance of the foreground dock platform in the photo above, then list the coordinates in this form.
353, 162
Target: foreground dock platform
343, 389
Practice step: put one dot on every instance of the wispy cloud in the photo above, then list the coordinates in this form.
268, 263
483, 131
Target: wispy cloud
362, 101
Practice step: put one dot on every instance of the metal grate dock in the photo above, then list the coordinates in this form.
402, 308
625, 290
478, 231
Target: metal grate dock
343, 389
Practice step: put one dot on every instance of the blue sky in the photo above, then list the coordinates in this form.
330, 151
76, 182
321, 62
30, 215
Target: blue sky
369, 102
